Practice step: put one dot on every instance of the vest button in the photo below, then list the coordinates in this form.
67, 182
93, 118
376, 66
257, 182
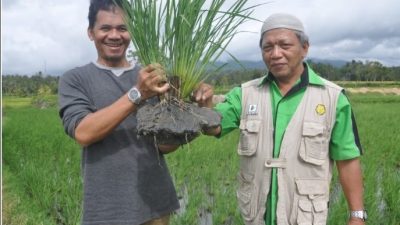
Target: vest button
269, 162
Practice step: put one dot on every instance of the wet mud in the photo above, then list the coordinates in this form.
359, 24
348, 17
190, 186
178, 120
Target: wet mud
175, 122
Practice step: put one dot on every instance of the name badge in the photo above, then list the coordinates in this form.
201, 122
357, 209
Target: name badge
252, 110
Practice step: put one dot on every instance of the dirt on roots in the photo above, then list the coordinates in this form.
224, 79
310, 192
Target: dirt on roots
175, 122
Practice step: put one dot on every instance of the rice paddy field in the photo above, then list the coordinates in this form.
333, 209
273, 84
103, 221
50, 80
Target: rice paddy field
42, 184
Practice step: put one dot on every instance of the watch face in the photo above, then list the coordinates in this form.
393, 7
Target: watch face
134, 95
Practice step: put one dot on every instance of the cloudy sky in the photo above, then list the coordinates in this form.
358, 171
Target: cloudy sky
50, 35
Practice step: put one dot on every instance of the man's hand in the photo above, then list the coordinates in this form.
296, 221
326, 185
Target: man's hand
355, 221
151, 81
165, 149
203, 95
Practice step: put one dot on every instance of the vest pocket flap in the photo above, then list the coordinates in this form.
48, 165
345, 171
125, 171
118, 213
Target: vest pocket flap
311, 187
252, 126
248, 137
305, 205
312, 129
320, 206
244, 197
244, 177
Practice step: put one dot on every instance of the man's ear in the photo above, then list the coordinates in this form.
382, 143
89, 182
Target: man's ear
305, 49
90, 33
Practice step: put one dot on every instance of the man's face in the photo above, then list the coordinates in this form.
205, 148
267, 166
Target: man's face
283, 53
111, 37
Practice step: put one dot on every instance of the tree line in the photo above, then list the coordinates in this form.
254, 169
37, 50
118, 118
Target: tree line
27, 86
39, 84
351, 71
358, 71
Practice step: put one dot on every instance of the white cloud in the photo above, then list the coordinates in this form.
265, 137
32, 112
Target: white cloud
45, 35
49, 35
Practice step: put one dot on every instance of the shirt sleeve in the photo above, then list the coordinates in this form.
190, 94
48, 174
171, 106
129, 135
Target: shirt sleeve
230, 110
344, 142
73, 100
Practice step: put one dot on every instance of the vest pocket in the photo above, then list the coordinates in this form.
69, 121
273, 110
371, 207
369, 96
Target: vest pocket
304, 217
245, 195
321, 212
312, 204
314, 146
248, 139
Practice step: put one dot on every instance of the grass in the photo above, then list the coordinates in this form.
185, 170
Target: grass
43, 163
207, 169
17, 208
42, 183
378, 129
16, 102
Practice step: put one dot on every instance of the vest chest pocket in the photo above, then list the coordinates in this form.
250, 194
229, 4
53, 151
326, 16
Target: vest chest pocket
314, 147
248, 140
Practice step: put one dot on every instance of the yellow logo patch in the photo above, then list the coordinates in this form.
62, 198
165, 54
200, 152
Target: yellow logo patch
320, 109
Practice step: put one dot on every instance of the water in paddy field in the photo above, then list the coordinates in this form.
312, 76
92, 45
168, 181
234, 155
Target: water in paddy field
204, 215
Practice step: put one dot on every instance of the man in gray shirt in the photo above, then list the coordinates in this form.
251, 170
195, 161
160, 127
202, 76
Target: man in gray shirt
126, 180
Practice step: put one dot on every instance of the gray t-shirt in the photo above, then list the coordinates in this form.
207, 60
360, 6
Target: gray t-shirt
126, 180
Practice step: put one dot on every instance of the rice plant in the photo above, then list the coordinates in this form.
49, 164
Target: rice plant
184, 36
42, 184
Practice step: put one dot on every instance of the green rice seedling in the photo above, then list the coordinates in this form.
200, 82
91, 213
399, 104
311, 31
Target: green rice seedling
185, 36
42, 166
42, 184
375, 115
9, 101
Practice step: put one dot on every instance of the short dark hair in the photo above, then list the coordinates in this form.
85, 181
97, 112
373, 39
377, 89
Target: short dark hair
97, 5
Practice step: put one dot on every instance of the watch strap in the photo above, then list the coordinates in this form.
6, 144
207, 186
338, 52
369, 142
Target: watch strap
360, 214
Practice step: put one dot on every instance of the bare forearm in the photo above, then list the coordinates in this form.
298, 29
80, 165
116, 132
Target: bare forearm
352, 183
98, 125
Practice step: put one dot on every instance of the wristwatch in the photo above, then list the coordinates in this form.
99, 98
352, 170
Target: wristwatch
360, 214
134, 96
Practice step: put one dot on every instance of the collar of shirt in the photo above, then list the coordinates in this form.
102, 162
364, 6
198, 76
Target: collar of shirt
117, 71
307, 77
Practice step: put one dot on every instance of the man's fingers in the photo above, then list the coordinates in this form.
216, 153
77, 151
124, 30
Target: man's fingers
149, 68
155, 80
203, 92
161, 89
207, 93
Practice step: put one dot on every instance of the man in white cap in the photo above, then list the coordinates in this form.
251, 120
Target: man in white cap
293, 126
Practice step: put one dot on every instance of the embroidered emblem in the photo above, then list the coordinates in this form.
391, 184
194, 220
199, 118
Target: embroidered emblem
252, 110
320, 109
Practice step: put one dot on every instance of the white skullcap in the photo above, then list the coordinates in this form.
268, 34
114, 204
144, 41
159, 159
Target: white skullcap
282, 20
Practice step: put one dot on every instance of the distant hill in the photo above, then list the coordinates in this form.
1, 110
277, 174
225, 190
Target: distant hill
249, 65
334, 63
230, 65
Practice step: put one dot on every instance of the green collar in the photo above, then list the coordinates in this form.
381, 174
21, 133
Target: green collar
307, 77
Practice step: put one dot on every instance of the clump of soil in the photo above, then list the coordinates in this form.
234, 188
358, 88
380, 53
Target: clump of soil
174, 121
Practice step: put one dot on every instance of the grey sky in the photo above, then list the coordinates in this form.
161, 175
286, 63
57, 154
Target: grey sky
50, 35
